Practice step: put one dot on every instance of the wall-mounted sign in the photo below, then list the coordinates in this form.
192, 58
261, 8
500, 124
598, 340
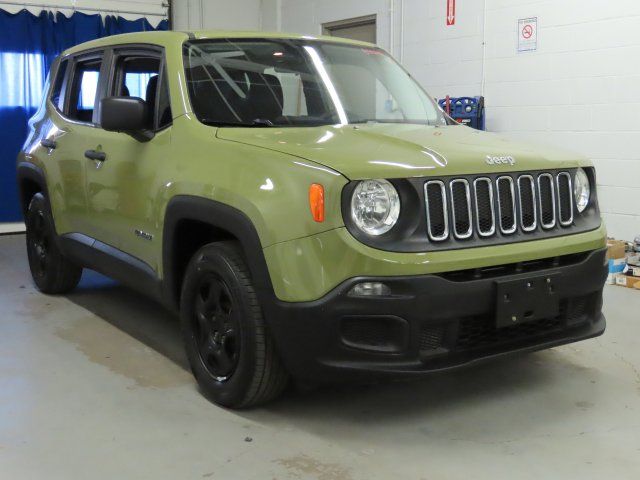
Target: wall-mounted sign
527, 34
451, 12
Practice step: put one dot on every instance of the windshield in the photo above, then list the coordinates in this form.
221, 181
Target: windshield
262, 83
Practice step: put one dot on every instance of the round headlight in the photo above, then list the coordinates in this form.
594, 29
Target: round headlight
581, 190
375, 206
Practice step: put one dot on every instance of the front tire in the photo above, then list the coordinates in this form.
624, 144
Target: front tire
229, 347
52, 272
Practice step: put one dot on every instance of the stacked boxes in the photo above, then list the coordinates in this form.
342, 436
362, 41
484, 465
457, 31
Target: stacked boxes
624, 268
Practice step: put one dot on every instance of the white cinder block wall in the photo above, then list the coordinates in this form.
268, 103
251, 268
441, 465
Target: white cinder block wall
153, 10
579, 90
217, 14
446, 60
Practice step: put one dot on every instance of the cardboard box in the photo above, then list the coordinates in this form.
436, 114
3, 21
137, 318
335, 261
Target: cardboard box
615, 249
629, 270
627, 281
617, 265
633, 259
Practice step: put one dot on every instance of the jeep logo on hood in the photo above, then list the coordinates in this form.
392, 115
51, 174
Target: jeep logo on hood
491, 160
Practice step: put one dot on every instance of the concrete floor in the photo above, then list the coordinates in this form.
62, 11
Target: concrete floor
95, 385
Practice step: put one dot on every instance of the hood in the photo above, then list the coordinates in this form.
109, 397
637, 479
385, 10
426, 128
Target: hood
401, 150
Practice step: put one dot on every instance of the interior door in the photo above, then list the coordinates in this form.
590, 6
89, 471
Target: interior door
121, 187
361, 28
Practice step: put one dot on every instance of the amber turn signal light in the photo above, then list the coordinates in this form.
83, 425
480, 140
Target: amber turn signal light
316, 201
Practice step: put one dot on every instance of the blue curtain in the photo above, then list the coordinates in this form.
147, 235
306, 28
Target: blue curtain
116, 25
28, 45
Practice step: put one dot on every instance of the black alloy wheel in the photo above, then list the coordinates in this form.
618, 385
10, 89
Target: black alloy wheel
38, 244
51, 270
217, 329
228, 342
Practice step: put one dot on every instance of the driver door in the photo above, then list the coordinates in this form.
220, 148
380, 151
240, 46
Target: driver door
121, 189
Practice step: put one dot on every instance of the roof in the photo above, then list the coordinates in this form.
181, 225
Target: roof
168, 37
203, 34
152, 38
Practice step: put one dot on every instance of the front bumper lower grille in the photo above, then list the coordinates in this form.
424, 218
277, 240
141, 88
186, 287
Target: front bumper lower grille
478, 332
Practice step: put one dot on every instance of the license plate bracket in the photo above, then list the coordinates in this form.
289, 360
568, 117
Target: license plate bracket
526, 300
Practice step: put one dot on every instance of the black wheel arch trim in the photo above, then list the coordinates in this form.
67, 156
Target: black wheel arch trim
29, 171
221, 216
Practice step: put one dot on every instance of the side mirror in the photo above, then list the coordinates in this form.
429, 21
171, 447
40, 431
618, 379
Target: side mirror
127, 115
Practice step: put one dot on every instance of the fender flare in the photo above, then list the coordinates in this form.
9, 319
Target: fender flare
29, 171
224, 217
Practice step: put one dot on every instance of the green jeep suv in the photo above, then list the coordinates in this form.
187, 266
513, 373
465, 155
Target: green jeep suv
306, 208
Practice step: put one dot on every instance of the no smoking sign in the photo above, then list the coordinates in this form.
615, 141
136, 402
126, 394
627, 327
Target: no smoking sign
527, 34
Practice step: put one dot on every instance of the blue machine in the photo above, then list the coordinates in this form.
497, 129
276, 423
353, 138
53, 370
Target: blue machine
465, 110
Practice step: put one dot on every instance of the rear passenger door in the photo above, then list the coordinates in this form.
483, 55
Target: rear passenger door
122, 190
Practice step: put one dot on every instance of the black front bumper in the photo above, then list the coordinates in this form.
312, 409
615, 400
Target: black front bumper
440, 321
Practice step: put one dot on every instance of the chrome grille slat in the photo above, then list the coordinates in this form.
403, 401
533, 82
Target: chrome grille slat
482, 204
527, 210
565, 220
462, 208
506, 211
435, 207
547, 210
459, 222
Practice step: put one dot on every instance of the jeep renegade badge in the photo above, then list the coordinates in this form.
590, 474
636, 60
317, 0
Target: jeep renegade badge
508, 160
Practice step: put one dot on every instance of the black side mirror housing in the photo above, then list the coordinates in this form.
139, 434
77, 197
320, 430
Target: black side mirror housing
126, 114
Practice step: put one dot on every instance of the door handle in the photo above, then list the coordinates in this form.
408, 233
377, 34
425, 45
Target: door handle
95, 155
48, 143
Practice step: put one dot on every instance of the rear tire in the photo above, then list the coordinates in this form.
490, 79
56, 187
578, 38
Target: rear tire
229, 347
52, 272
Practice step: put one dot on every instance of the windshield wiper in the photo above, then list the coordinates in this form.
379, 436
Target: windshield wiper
363, 120
388, 120
257, 123
262, 122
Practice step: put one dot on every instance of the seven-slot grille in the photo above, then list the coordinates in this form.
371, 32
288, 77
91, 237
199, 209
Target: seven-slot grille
459, 207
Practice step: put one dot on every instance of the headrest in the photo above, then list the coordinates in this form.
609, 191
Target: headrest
152, 87
266, 97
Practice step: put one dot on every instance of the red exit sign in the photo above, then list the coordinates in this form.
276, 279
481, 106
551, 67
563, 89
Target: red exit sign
451, 12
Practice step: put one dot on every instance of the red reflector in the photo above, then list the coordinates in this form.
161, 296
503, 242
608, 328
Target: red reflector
316, 201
